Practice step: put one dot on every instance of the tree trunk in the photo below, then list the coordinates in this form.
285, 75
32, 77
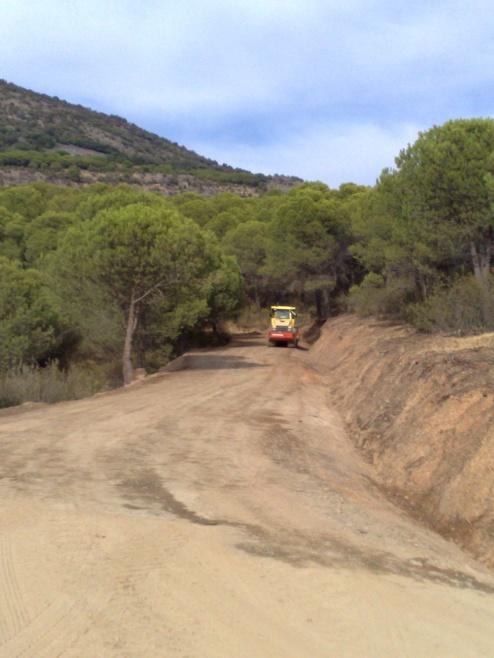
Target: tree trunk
420, 285
256, 296
319, 305
481, 259
325, 303
127, 368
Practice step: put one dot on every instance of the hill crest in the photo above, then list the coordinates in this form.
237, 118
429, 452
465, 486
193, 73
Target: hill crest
46, 138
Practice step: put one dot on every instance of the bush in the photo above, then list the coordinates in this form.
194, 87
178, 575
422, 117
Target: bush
74, 174
50, 384
252, 318
466, 307
157, 358
30, 326
375, 296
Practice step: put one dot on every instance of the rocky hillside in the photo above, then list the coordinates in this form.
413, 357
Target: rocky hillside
45, 138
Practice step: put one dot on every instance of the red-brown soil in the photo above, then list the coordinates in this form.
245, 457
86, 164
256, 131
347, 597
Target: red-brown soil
421, 410
221, 511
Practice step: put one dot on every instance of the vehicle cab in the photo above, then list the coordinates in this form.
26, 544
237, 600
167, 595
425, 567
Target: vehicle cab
284, 329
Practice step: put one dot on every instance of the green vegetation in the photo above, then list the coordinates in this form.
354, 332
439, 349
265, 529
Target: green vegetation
41, 135
426, 227
36, 122
288, 246
29, 325
146, 261
104, 275
70, 167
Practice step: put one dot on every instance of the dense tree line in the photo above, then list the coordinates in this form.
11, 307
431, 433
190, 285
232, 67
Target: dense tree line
106, 273
120, 270
424, 233
101, 272
62, 165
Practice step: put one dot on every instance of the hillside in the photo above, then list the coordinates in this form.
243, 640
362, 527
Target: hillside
45, 138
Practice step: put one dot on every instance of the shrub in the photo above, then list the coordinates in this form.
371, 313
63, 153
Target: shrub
157, 358
30, 327
465, 307
376, 296
50, 384
74, 174
252, 318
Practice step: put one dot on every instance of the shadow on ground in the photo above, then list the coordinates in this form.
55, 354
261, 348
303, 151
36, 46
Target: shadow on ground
147, 492
218, 362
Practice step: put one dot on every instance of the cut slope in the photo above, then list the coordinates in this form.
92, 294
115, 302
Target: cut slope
421, 410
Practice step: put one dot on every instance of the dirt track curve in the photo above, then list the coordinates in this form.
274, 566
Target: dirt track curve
218, 512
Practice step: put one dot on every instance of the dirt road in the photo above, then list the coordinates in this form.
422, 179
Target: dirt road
218, 512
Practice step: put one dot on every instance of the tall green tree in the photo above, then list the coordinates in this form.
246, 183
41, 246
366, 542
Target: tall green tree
138, 256
307, 251
30, 327
225, 290
443, 181
247, 242
42, 234
12, 227
386, 241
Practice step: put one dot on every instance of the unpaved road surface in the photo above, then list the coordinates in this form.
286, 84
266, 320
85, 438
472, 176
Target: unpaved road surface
218, 512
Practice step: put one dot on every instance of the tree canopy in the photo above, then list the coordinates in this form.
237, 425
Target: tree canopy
100, 271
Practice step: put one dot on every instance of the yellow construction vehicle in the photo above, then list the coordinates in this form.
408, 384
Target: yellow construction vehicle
283, 329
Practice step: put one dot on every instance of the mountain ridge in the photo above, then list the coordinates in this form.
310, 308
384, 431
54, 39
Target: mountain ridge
45, 138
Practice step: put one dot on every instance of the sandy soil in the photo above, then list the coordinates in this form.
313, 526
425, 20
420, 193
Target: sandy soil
219, 512
421, 411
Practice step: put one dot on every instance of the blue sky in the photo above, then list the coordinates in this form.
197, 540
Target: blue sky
321, 89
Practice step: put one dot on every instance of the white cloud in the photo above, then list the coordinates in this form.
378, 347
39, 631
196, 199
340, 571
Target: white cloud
354, 78
333, 154
226, 56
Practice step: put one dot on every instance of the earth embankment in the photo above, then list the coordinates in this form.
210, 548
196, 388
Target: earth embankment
421, 410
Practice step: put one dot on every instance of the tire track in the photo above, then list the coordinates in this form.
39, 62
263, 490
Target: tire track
14, 615
134, 550
56, 628
53, 627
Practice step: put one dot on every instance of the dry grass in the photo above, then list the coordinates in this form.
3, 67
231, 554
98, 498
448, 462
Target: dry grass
50, 384
450, 344
251, 318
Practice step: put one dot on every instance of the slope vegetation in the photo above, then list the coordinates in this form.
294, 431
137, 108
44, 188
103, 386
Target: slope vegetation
45, 138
